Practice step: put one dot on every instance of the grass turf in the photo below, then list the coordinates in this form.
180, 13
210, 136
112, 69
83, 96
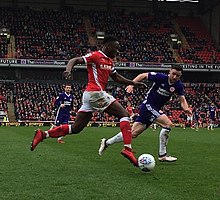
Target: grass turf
73, 170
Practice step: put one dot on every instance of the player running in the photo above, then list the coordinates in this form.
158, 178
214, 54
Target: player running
64, 104
150, 110
95, 98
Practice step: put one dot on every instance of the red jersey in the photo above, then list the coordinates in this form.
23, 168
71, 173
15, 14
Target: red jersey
99, 67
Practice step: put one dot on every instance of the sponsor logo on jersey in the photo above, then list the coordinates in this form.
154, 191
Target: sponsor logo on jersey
163, 92
105, 67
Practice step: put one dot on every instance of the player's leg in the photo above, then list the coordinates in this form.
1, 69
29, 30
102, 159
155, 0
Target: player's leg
58, 122
136, 130
60, 140
63, 120
82, 119
52, 126
209, 124
154, 126
197, 125
117, 110
212, 123
166, 125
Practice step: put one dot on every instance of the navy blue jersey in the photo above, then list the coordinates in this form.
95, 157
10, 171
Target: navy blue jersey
212, 112
67, 100
161, 91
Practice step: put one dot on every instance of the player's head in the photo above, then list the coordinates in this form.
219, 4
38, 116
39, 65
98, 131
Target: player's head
67, 88
110, 46
175, 73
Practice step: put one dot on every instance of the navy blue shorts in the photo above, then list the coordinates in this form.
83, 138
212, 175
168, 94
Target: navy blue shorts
62, 120
212, 117
147, 114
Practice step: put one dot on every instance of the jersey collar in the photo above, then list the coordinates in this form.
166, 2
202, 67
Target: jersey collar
67, 94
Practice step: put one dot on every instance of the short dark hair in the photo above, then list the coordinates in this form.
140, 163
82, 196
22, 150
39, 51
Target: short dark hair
67, 84
177, 67
109, 38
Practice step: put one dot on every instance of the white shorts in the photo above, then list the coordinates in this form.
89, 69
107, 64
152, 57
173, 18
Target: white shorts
189, 118
96, 101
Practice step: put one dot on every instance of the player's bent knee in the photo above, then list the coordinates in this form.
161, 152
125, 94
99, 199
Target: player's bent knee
135, 134
169, 125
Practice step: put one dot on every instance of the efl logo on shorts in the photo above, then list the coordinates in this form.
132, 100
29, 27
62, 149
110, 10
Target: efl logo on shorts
172, 89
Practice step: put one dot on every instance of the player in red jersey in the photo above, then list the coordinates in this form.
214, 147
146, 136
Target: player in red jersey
95, 98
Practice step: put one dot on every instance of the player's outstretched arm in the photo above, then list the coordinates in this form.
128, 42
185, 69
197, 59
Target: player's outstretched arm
122, 80
139, 77
72, 62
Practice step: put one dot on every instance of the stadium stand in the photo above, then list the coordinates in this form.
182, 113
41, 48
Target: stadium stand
4, 47
46, 34
202, 48
63, 34
5, 97
139, 37
35, 101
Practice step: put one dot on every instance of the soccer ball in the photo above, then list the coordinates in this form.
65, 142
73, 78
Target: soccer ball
146, 162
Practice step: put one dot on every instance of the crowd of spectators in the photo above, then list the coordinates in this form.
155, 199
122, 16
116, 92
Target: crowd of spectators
4, 47
142, 37
63, 34
5, 97
202, 49
199, 97
35, 101
3, 100
46, 34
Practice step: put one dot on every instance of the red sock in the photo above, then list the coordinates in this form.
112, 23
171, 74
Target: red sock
126, 131
59, 131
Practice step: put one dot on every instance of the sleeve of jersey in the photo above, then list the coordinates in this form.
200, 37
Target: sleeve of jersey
113, 70
89, 58
153, 76
180, 89
58, 101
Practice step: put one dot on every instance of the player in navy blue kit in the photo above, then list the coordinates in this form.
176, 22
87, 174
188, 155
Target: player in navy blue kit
212, 115
196, 118
64, 105
157, 96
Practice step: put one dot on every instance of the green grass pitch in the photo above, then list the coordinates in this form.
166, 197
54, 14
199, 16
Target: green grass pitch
73, 170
